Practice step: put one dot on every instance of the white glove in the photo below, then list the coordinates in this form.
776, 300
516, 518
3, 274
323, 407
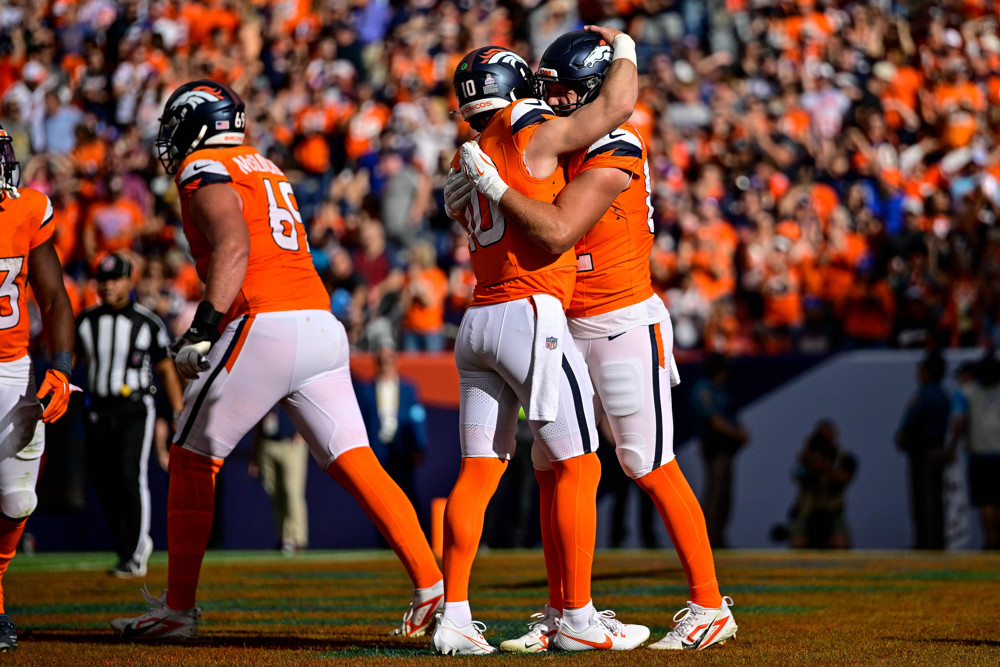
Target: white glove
457, 191
191, 361
481, 170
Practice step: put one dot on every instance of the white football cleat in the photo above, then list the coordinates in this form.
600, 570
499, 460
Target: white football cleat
539, 636
605, 632
160, 622
419, 618
699, 627
451, 639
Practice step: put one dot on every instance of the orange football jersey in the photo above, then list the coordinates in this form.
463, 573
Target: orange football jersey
507, 264
280, 274
26, 223
613, 257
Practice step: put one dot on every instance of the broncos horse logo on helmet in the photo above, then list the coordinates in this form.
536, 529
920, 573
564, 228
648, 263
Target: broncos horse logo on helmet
488, 79
10, 171
578, 60
200, 114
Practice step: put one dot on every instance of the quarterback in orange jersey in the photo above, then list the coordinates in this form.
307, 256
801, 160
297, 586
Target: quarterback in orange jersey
263, 335
513, 346
620, 326
27, 257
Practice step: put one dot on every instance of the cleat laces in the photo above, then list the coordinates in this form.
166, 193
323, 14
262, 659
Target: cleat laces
607, 617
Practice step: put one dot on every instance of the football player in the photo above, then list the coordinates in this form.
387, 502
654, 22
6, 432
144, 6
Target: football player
620, 326
513, 347
27, 257
264, 334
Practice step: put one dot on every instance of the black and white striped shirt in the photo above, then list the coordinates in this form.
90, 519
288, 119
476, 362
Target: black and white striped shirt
121, 347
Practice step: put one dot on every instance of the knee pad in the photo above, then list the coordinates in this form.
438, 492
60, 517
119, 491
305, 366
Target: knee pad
633, 455
36, 446
622, 388
18, 504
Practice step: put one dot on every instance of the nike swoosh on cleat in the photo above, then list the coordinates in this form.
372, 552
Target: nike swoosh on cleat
432, 603
718, 625
485, 647
157, 628
607, 643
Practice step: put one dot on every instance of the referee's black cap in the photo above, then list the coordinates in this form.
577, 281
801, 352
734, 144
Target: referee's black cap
112, 267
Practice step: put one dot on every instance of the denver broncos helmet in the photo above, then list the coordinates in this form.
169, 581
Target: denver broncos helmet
199, 114
578, 60
490, 78
10, 172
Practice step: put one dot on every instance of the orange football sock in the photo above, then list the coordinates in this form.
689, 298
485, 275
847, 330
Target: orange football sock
553, 565
685, 523
190, 510
361, 475
574, 524
463, 521
10, 535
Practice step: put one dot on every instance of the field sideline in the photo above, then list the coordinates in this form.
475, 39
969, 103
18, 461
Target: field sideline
829, 608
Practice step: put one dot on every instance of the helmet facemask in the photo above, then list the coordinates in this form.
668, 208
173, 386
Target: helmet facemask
10, 168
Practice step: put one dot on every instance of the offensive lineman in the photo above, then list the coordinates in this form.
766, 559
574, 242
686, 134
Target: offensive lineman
511, 347
279, 343
27, 255
620, 326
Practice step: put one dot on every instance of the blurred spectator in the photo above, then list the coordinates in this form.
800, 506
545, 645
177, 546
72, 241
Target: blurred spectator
423, 301
921, 436
396, 422
977, 418
722, 436
280, 459
823, 472
860, 133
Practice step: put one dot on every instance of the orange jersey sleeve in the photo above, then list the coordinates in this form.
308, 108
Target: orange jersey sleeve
280, 274
27, 223
507, 264
613, 257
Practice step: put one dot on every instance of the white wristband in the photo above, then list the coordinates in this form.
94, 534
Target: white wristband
624, 47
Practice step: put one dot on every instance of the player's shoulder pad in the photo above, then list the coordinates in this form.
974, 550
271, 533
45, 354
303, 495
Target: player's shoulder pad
527, 112
38, 205
204, 171
620, 142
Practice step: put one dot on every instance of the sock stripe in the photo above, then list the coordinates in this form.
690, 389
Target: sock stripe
655, 345
237, 339
581, 415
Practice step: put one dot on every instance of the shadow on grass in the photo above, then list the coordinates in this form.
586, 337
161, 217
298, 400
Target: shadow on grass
272, 642
601, 576
995, 643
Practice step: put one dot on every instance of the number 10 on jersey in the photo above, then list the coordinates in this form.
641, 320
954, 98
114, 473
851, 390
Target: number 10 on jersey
483, 222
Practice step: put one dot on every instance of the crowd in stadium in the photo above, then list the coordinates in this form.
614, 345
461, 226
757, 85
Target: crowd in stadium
825, 173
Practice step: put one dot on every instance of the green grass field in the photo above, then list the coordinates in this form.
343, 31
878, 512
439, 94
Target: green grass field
827, 608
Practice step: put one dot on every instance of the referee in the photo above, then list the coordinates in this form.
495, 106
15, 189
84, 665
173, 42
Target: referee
122, 343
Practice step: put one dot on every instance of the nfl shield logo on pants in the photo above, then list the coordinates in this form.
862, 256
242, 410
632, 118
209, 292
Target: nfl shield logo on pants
551, 342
